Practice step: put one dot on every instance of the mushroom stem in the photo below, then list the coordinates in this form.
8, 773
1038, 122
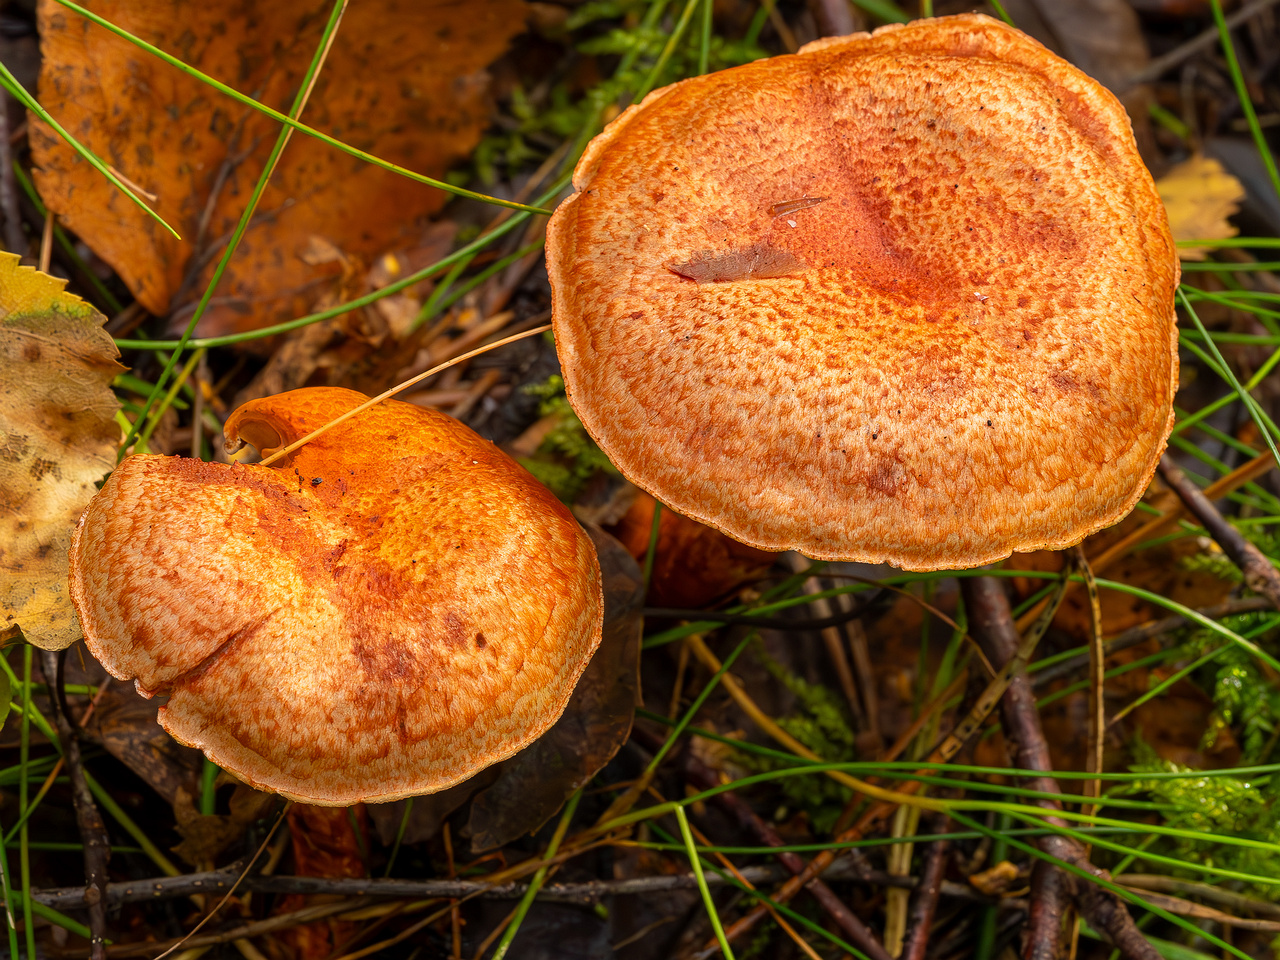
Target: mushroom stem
928, 890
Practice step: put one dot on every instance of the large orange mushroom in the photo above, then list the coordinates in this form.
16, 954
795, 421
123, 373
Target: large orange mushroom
904, 297
391, 608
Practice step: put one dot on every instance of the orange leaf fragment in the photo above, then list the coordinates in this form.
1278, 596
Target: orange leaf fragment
404, 81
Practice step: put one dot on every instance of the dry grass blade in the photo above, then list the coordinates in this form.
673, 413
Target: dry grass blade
1097, 679
386, 394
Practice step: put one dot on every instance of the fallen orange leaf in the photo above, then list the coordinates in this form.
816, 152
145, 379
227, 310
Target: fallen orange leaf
404, 81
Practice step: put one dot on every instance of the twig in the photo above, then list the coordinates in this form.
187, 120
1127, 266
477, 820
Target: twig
835, 18
925, 904
93, 832
219, 881
1202, 41
1044, 919
992, 623
159, 889
861, 653
860, 935
832, 638
1260, 575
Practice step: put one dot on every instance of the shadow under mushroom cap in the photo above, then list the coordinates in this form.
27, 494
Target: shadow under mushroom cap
393, 607
904, 297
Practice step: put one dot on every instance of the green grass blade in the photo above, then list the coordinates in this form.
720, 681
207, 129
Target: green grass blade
1169, 682
668, 49
24, 850
882, 10
288, 121
8, 81
1242, 93
1118, 890
246, 216
535, 884
712, 914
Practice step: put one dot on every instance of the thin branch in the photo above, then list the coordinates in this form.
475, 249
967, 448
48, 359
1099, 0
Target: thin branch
992, 623
925, 904
1202, 41
93, 832
1260, 574
1049, 898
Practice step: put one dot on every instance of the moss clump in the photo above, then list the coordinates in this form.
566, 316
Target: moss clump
1218, 806
821, 723
567, 457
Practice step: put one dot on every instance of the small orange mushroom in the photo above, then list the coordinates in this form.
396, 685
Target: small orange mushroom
393, 607
904, 297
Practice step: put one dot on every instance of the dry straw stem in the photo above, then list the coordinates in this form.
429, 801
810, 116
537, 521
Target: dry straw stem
386, 394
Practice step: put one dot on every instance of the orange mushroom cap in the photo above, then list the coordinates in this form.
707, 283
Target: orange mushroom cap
903, 297
392, 608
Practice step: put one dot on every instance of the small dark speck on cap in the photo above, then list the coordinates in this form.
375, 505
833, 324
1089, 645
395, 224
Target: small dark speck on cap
316, 481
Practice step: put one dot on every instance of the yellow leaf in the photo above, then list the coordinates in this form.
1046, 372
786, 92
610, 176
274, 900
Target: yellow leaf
1199, 195
57, 440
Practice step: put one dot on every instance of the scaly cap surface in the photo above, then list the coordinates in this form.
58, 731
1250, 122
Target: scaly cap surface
387, 611
904, 297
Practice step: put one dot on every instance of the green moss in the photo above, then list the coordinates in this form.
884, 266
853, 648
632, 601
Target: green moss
606, 29
567, 457
821, 723
1245, 699
1219, 806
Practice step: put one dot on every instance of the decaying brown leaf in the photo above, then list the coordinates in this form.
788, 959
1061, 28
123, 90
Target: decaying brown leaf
534, 784
404, 81
995, 880
694, 564
57, 439
204, 837
1199, 195
518, 795
125, 724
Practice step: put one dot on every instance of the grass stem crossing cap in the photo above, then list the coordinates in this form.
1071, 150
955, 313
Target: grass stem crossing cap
903, 297
393, 607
